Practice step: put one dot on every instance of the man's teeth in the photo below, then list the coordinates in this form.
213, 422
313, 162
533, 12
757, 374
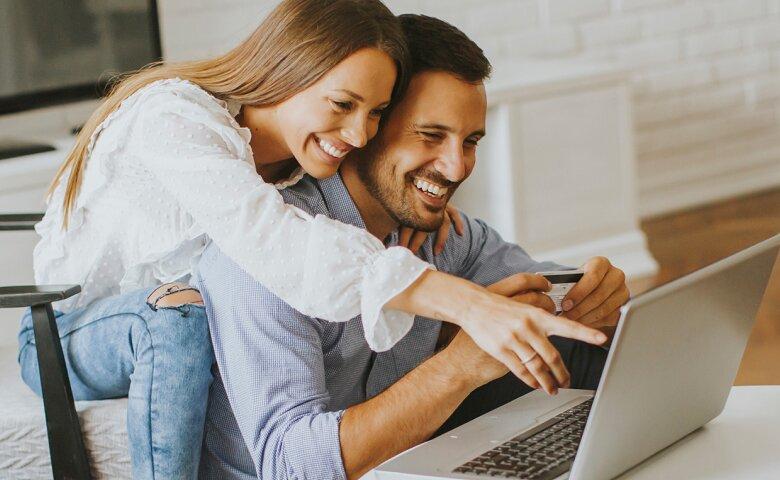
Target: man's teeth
430, 188
331, 149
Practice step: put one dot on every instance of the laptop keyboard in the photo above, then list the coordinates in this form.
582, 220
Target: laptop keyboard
542, 453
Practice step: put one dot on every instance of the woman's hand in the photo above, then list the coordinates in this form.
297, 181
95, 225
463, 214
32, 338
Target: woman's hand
526, 288
513, 333
516, 333
413, 239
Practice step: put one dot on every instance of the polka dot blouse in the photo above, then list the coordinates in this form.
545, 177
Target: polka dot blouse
170, 170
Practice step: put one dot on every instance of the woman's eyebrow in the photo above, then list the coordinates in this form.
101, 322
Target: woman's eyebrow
357, 97
351, 94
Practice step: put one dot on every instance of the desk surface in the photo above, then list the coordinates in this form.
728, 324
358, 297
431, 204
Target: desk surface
741, 443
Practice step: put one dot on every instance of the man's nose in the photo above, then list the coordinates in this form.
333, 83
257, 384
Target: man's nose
355, 131
452, 163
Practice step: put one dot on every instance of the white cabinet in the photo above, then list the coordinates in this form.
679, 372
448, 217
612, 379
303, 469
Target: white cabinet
555, 172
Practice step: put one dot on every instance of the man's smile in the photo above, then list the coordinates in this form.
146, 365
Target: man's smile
432, 201
430, 188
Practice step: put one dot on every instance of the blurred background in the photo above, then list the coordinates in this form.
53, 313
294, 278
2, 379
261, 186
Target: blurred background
647, 131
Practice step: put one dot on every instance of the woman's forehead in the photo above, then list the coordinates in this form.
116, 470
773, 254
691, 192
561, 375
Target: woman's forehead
367, 72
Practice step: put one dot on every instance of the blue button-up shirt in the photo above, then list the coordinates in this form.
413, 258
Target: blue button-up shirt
284, 379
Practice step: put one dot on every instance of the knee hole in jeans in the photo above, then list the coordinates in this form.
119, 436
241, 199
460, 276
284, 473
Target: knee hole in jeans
174, 295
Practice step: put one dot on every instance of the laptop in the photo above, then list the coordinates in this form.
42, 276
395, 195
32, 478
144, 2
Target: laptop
669, 371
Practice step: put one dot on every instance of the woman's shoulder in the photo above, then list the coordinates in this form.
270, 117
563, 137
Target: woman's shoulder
177, 93
179, 108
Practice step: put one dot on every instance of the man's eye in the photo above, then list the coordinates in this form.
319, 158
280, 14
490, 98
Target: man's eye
472, 142
431, 135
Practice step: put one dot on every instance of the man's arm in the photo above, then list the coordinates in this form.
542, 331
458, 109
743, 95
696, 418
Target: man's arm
412, 409
272, 366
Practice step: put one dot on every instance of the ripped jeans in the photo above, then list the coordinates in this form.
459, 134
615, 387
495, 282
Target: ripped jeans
158, 354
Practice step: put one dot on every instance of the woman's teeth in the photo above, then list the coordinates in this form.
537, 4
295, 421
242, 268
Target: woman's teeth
333, 151
430, 189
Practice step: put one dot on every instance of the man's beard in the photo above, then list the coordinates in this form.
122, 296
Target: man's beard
377, 173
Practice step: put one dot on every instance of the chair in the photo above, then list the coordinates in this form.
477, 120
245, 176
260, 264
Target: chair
66, 443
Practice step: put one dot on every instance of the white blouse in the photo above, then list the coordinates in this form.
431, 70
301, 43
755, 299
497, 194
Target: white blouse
171, 169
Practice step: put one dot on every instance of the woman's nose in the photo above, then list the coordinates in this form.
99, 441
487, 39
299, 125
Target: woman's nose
356, 132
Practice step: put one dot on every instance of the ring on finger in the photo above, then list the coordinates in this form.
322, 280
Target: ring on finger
536, 354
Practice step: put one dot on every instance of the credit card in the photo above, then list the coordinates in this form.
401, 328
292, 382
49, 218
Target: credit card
562, 281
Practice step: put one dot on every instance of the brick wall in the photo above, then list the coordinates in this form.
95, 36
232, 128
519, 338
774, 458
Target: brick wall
705, 73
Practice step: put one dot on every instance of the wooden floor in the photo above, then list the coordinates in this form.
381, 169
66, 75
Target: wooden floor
683, 242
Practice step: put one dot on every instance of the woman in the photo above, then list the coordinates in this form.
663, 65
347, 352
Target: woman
171, 159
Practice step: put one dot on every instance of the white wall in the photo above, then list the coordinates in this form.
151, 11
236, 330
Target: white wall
705, 73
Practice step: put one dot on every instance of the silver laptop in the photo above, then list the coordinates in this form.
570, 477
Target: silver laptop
672, 363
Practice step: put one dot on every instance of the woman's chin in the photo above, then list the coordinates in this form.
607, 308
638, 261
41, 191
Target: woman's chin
320, 170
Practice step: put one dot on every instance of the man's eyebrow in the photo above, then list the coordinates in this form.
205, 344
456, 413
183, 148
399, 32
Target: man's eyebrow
445, 128
434, 126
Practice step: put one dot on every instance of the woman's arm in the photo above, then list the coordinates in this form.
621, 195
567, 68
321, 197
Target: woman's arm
321, 267
512, 332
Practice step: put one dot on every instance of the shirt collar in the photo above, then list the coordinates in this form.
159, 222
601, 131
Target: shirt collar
339, 203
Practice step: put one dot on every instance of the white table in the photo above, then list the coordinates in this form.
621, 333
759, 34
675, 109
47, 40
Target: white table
742, 443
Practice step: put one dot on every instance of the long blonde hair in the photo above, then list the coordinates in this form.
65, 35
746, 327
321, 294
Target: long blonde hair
296, 44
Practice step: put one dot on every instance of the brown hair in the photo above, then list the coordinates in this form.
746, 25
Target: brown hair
436, 45
296, 44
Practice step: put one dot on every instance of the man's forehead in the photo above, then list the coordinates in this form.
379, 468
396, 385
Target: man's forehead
440, 98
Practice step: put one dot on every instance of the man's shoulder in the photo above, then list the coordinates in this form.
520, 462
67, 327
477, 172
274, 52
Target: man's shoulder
307, 195
480, 248
458, 248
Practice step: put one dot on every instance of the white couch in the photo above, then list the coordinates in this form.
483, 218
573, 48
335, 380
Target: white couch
24, 447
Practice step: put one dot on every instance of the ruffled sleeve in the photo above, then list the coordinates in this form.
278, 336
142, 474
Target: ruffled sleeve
321, 267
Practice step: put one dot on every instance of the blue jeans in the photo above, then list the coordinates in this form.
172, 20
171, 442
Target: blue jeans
160, 359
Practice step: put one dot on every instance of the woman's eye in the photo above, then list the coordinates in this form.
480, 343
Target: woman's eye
344, 106
377, 112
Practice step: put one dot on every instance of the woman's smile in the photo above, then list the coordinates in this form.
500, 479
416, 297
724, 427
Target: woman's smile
334, 148
328, 152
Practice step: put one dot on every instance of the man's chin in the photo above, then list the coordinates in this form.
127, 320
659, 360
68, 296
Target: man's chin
428, 218
423, 224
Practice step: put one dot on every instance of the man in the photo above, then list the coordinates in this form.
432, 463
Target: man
296, 397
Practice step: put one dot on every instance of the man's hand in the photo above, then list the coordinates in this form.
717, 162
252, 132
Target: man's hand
596, 299
414, 239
